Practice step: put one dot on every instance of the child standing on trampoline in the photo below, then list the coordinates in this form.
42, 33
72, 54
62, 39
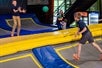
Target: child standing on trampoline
86, 36
16, 10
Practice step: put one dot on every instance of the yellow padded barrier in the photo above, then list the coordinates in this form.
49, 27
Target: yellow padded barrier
15, 44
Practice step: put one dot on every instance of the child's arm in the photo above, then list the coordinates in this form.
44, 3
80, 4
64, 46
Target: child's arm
21, 11
80, 32
84, 29
77, 33
14, 10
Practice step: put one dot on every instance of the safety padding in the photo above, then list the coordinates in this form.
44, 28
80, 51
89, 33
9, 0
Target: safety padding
15, 44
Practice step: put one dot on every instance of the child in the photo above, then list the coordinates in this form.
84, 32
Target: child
63, 24
60, 19
86, 36
60, 15
16, 10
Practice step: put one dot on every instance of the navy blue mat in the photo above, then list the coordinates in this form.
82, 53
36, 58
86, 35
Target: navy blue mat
4, 25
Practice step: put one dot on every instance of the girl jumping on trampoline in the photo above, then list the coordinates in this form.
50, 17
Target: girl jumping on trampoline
16, 10
86, 36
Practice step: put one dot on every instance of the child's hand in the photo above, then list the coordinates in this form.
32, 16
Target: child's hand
19, 8
76, 34
24, 11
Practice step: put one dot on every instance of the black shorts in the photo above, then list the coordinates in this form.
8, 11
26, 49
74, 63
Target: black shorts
86, 37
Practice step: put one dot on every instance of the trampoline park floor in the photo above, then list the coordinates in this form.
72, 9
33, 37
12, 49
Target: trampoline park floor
26, 59
89, 55
29, 26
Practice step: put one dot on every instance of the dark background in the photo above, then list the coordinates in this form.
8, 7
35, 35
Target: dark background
37, 2
32, 6
5, 5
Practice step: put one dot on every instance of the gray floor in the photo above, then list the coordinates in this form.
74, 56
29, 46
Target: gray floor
21, 63
29, 24
89, 56
26, 62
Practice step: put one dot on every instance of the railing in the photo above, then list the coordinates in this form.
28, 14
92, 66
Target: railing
59, 7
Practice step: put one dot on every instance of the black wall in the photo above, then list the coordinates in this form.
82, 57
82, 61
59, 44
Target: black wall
37, 9
5, 8
100, 7
6, 5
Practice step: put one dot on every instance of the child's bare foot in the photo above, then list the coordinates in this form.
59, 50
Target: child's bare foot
12, 34
76, 57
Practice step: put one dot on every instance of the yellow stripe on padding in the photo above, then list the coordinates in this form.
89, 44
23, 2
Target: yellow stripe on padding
15, 44
23, 56
58, 52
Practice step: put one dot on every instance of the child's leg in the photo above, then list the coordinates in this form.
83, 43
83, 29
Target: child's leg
77, 55
19, 26
97, 47
61, 25
64, 26
14, 26
79, 49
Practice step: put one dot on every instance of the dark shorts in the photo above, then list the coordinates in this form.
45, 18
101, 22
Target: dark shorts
86, 37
